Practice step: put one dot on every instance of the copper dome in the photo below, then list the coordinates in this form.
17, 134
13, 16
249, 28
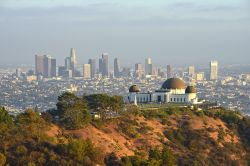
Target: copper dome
134, 88
174, 83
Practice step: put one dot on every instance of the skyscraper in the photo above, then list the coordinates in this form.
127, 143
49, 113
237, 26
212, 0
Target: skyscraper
105, 65
62, 71
138, 70
67, 63
100, 66
191, 71
92, 63
72, 59
39, 65
53, 68
213, 70
47, 66
169, 71
117, 72
86, 71
148, 66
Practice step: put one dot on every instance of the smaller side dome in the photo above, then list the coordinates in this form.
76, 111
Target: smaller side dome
190, 89
134, 88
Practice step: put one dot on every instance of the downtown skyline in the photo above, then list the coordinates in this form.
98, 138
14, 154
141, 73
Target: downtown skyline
47, 67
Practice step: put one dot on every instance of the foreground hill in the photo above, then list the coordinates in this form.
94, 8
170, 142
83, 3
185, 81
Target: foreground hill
131, 136
192, 136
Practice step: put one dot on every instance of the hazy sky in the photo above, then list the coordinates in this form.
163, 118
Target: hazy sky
170, 31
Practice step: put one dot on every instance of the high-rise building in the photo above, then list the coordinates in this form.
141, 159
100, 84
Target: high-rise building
169, 71
18, 72
73, 59
39, 65
117, 67
69, 73
148, 66
86, 71
191, 71
200, 76
105, 65
62, 71
92, 63
53, 68
138, 70
100, 66
67, 63
213, 70
47, 66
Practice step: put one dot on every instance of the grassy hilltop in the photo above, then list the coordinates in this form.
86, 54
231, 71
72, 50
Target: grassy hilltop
124, 135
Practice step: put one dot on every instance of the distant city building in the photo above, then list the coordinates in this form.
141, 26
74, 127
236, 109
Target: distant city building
30, 73
100, 66
155, 71
53, 68
138, 70
213, 70
161, 73
77, 73
148, 66
191, 71
104, 64
117, 67
169, 71
86, 71
92, 63
67, 63
69, 73
39, 65
73, 59
200, 76
126, 72
18, 72
45, 66
62, 71
31, 78
49, 66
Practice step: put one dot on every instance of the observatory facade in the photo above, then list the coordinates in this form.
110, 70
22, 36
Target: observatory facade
173, 90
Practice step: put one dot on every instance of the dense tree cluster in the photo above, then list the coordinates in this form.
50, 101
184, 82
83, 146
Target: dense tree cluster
75, 112
23, 141
156, 157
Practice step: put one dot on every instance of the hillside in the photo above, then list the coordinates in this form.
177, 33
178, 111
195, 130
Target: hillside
186, 133
125, 135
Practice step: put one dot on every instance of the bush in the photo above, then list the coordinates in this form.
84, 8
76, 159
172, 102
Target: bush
80, 149
128, 129
2, 159
21, 150
75, 118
